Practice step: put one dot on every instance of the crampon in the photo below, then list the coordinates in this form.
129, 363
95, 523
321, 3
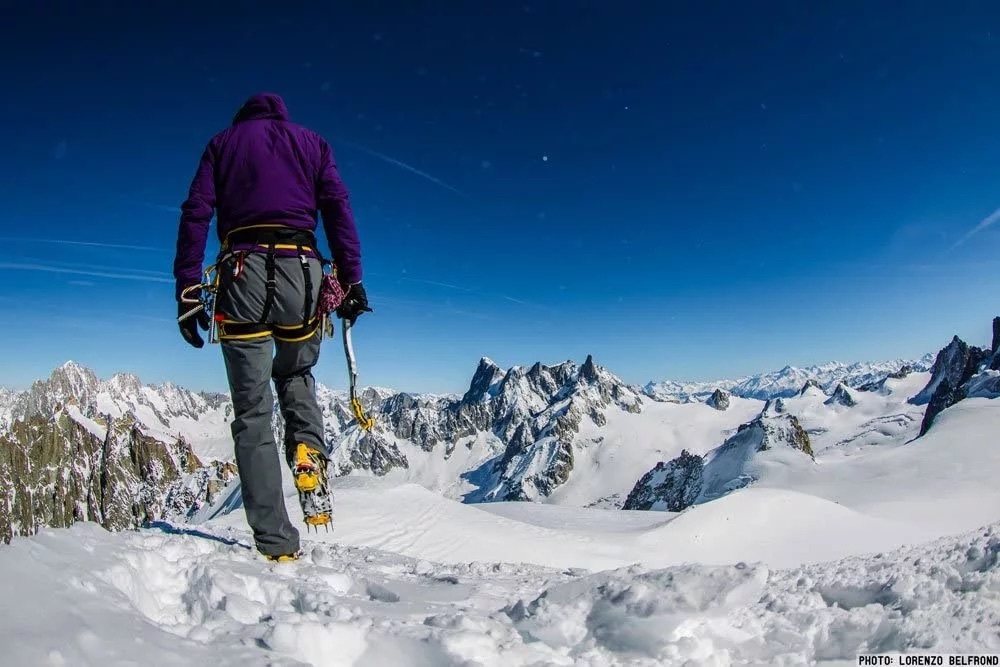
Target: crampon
309, 472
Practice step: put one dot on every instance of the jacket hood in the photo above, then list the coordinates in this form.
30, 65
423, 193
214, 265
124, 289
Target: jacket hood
262, 106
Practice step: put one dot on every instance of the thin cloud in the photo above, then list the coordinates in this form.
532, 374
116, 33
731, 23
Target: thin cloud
93, 244
18, 266
161, 207
91, 267
988, 221
438, 284
470, 290
529, 304
403, 165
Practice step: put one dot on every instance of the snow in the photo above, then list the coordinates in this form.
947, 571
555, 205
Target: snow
99, 431
609, 460
179, 596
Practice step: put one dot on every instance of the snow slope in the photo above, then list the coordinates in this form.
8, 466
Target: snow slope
180, 597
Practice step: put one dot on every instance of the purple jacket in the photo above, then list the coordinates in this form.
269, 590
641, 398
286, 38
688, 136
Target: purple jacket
266, 170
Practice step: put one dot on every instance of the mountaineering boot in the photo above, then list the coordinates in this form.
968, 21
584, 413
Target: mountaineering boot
309, 471
308, 463
283, 558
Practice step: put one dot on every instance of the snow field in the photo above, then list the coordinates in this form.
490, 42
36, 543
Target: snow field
88, 597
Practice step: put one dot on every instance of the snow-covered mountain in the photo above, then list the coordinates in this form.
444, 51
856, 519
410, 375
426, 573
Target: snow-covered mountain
788, 381
165, 412
570, 434
801, 529
689, 479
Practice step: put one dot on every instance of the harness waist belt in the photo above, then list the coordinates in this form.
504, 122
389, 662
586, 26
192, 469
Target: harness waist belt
272, 235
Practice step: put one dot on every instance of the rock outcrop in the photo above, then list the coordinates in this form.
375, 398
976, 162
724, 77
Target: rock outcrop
537, 414
995, 347
841, 396
690, 479
671, 486
56, 471
955, 365
370, 451
878, 385
720, 400
811, 385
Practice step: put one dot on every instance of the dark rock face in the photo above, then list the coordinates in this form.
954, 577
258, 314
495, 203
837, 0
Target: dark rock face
370, 451
903, 371
955, 365
186, 496
720, 400
841, 396
538, 455
690, 479
534, 413
810, 384
995, 347
54, 472
773, 406
984, 385
670, 486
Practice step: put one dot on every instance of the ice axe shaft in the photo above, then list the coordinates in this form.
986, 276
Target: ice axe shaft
364, 420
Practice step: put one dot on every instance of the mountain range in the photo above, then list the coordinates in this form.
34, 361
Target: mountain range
123, 453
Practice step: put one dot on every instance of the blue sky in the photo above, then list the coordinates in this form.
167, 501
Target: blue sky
684, 192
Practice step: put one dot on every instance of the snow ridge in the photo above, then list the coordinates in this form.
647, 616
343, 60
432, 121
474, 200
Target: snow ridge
788, 381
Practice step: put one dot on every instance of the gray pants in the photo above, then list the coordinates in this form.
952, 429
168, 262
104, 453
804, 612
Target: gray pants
252, 362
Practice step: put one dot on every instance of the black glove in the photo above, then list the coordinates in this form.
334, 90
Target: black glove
189, 327
354, 303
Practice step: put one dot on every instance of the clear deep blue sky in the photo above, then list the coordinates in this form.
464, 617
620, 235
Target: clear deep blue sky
688, 192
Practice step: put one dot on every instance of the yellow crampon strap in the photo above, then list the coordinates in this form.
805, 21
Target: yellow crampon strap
366, 422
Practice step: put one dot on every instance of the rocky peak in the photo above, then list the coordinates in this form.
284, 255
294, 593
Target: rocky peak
720, 400
690, 479
782, 430
774, 407
879, 384
537, 415
124, 384
671, 486
842, 396
810, 384
589, 372
486, 377
954, 364
70, 384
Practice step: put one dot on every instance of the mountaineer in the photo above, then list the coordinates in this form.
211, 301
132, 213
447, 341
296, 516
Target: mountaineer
266, 178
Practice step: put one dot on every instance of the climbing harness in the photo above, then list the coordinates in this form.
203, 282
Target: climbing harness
366, 422
268, 240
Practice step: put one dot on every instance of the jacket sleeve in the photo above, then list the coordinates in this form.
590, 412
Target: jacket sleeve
333, 202
196, 216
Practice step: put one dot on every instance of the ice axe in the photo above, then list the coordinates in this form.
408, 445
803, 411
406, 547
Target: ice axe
366, 422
